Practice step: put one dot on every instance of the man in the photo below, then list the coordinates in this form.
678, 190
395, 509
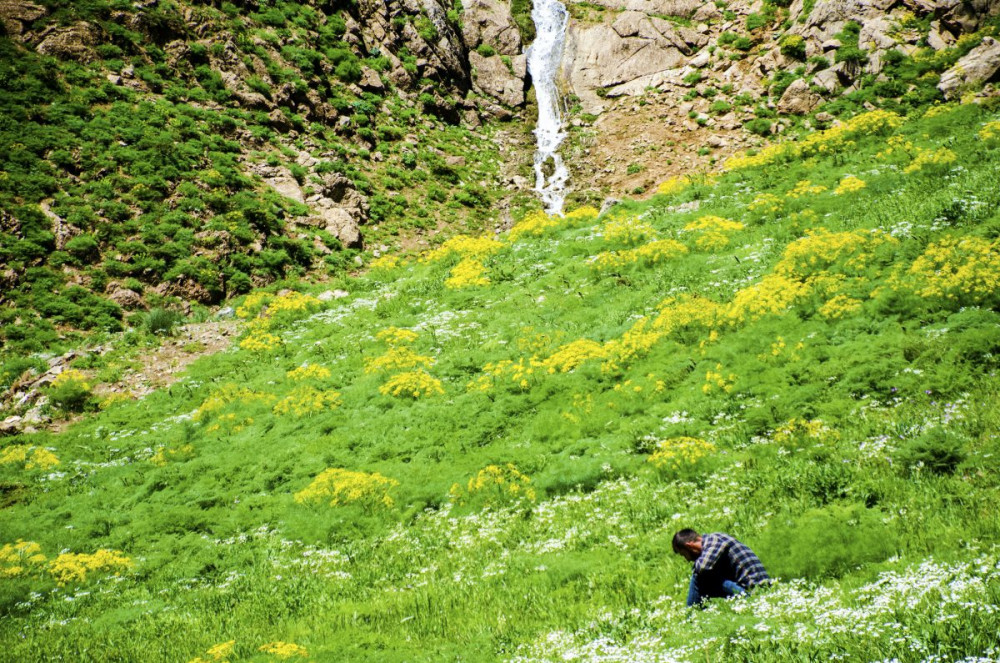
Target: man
723, 566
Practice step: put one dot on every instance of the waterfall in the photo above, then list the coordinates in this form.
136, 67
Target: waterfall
544, 57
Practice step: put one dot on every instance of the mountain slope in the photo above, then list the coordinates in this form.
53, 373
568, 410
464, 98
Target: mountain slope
481, 454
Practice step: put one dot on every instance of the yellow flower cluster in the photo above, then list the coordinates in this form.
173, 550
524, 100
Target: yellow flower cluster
990, 131
20, 558
283, 650
571, 355
687, 311
849, 184
33, 457
649, 254
226, 395
957, 268
830, 141
397, 358
581, 214
716, 380
673, 185
72, 377
338, 487
796, 431
413, 384
74, 567
773, 295
114, 398
266, 305
635, 343
840, 306
766, 204
535, 224
805, 188
628, 230
385, 263
896, 146
397, 336
165, 455
219, 653
932, 160
517, 371
305, 400
821, 250
680, 452
468, 273
262, 341
495, 485
712, 232
464, 246
939, 109
308, 372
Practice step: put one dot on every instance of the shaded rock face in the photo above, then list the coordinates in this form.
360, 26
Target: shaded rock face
633, 52
498, 80
490, 22
979, 65
75, 42
15, 15
798, 99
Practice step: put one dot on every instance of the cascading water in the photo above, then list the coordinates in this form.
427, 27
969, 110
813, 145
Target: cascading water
544, 57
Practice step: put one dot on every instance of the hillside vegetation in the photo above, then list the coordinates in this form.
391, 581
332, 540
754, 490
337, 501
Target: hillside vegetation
173, 153
482, 453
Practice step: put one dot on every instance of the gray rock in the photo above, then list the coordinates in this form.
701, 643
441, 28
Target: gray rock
798, 99
225, 313
330, 295
494, 79
490, 22
977, 67
15, 14
75, 42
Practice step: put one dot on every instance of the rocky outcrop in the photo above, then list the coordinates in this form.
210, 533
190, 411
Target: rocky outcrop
978, 66
15, 15
631, 53
74, 42
798, 99
490, 22
500, 80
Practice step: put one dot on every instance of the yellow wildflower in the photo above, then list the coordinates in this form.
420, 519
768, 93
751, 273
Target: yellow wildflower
338, 487
308, 372
74, 567
468, 273
283, 650
680, 452
413, 384
307, 400
849, 184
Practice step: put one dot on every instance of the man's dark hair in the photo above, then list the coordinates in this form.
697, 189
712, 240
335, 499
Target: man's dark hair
682, 537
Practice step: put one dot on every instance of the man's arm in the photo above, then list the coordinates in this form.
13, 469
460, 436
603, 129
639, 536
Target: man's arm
713, 546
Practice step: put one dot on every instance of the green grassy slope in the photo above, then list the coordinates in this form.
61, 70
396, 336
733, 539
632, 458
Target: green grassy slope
768, 352
134, 163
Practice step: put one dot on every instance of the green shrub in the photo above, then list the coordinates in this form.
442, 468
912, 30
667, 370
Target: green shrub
825, 542
486, 50
759, 126
792, 46
161, 321
937, 451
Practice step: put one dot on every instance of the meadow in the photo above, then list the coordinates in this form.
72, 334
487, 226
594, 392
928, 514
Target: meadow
483, 451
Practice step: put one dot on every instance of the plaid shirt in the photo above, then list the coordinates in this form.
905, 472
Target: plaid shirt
725, 558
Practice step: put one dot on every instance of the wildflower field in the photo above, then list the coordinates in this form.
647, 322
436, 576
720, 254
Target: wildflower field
483, 452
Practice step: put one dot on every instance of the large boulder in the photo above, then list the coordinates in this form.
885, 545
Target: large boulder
490, 22
798, 99
73, 42
630, 54
15, 15
494, 78
978, 66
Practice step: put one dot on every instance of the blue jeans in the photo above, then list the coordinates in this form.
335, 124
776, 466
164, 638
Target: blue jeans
702, 589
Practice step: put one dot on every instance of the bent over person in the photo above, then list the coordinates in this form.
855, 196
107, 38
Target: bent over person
723, 566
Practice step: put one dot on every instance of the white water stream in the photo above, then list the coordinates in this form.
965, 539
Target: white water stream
544, 58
